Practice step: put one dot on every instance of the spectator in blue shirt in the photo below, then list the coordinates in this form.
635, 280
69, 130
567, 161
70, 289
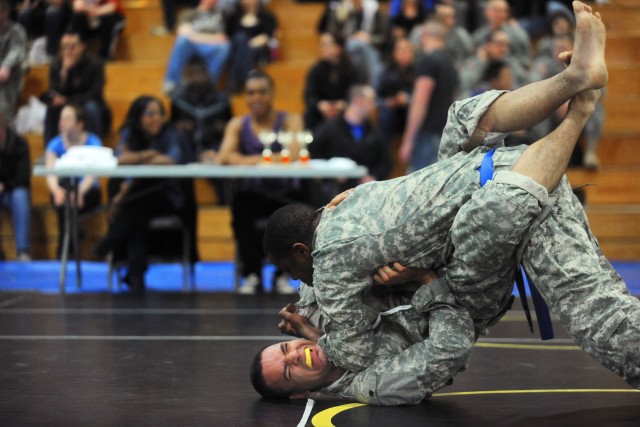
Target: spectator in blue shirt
72, 133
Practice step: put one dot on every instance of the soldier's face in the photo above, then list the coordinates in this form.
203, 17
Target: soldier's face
297, 265
297, 365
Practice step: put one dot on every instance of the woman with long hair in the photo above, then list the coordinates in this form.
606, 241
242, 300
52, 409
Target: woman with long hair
328, 82
145, 139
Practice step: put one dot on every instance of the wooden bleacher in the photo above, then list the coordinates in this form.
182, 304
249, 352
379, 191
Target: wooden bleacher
613, 204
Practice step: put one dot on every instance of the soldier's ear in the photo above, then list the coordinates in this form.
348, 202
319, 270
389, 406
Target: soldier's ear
300, 251
300, 395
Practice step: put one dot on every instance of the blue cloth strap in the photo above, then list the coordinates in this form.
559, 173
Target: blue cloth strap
486, 168
542, 311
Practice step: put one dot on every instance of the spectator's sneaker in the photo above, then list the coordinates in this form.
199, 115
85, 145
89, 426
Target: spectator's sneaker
283, 286
24, 257
250, 286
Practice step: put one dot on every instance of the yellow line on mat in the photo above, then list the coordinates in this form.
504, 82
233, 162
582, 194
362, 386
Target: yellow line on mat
560, 390
528, 346
323, 418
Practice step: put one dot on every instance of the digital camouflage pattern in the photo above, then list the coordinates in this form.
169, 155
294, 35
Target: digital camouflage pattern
411, 220
417, 349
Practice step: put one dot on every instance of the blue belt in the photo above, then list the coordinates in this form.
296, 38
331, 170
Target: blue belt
542, 311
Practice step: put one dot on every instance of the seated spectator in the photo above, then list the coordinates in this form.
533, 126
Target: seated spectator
13, 53
395, 7
201, 33
72, 134
145, 139
250, 28
101, 19
411, 14
533, 15
353, 135
169, 14
394, 90
496, 48
31, 15
364, 27
46, 18
15, 184
76, 77
497, 17
328, 82
258, 198
201, 112
561, 22
458, 44
497, 76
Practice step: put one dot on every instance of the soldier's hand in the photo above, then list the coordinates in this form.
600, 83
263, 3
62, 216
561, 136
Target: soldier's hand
339, 198
397, 274
392, 274
297, 325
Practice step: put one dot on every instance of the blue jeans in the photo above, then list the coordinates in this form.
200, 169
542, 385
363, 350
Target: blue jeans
215, 57
425, 150
19, 202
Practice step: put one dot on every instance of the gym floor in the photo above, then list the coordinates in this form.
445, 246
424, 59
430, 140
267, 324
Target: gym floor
181, 359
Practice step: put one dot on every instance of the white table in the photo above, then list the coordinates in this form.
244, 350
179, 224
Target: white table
314, 169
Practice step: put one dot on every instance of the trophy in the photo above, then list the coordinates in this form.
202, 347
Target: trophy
285, 138
267, 138
304, 137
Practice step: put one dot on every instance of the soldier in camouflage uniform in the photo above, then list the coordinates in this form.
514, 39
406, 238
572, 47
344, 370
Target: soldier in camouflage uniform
421, 342
413, 220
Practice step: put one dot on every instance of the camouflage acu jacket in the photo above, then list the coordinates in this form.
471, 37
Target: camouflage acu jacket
405, 219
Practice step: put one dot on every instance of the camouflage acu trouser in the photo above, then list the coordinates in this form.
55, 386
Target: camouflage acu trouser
563, 259
484, 239
582, 289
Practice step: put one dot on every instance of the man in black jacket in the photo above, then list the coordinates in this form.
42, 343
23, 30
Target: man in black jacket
77, 77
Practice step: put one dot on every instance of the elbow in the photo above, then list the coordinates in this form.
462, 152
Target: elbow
458, 350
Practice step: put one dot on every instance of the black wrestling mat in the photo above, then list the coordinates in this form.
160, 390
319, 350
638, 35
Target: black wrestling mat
182, 360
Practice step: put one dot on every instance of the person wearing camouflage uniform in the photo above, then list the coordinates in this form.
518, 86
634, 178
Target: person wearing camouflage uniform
420, 342
418, 221
411, 218
480, 273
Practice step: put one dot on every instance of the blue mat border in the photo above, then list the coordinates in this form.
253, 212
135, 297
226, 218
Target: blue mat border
42, 276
